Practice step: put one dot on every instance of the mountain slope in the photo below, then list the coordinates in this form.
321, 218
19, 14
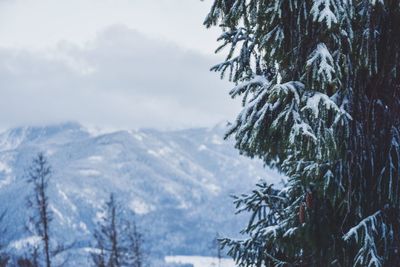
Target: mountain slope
177, 182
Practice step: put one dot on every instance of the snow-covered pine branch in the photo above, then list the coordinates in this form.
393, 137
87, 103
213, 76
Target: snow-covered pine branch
322, 12
319, 80
368, 234
322, 64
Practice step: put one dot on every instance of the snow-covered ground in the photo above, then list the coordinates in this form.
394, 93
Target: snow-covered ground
199, 261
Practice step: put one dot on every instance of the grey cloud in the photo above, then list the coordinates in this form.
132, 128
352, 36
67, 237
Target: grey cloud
120, 79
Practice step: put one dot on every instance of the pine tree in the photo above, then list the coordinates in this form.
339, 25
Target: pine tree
217, 246
118, 241
108, 236
4, 257
39, 222
321, 104
135, 256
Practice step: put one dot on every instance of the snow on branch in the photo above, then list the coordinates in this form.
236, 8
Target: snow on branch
374, 2
268, 222
257, 80
364, 234
322, 62
301, 128
321, 11
364, 224
317, 99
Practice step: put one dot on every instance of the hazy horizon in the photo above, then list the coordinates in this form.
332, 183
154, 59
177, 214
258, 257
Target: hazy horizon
125, 64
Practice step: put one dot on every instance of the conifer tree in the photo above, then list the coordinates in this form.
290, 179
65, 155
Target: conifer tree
108, 236
118, 242
135, 256
41, 217
217, 246
4, 257
320, 86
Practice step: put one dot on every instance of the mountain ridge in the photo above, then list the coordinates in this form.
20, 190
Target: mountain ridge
177, 182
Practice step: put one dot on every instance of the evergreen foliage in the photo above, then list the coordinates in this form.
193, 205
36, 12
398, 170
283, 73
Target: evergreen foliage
320, 87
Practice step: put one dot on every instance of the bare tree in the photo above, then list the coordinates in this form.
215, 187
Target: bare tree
216, 245
107, 237
134, 243
39, 176
118, 241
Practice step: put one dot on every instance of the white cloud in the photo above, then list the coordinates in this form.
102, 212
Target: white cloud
122, 78
43, 23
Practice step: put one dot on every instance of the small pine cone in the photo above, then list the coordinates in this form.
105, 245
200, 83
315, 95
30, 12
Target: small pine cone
302, 213
309, 200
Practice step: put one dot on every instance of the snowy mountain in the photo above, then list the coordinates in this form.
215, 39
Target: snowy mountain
177, 182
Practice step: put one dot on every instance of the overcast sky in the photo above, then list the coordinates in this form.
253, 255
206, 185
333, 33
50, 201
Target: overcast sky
110, 63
